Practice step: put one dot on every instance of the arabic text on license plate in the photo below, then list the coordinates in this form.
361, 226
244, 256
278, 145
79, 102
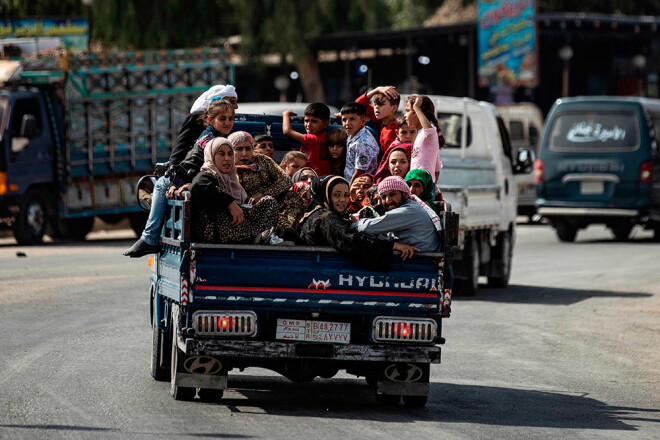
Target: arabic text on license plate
592, 187
313, 331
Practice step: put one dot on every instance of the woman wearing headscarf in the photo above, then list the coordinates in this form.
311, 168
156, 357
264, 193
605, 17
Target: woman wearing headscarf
326, 223
260, 176
421, 185
218, 201
395, 161
305, 174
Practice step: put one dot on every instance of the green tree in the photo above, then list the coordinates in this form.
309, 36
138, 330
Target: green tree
290, 27
145, 24
41, 8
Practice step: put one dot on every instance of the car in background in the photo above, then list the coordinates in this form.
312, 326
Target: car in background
599, 162
525, 123
276, 108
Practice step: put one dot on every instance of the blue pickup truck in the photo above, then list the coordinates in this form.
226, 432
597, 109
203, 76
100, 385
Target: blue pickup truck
297, 310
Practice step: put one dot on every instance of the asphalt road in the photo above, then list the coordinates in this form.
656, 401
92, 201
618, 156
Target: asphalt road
569, 350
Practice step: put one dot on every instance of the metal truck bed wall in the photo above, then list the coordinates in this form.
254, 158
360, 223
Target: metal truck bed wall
291, 277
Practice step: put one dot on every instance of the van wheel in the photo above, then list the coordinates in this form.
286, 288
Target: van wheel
502, 253
565, 231
31, 225
415, 401
470, 285
621, 232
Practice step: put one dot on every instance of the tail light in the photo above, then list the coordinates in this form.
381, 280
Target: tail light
225, 323
539, 171
646, 172
3, 183
404, 329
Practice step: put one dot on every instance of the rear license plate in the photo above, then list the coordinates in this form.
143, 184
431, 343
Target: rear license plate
592, 187
313, 331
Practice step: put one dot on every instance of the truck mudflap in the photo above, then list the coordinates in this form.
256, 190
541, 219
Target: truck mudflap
390, 353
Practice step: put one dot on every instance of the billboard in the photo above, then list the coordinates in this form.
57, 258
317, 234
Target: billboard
507, 43
70, 33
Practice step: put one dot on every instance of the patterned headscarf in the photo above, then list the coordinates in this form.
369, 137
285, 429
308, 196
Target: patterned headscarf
228, 182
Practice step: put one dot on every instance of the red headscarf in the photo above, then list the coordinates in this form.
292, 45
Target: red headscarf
383, 168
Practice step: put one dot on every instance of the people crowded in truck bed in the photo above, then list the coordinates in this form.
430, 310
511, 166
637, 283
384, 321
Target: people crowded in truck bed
365, 195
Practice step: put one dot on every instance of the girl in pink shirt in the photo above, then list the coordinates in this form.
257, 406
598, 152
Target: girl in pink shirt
420, 115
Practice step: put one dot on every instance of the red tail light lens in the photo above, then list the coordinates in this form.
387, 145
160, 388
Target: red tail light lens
646, 172
539, 171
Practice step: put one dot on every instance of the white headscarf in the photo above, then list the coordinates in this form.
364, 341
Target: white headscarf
228, 182
217, 91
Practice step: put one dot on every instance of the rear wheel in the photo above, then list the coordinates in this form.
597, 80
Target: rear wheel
471, 261
565, 231
502, 254
621, 232
157, 371
31, 225
178, 392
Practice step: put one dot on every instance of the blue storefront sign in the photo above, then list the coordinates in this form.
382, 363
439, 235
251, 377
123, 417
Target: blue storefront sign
72, 33
507, 43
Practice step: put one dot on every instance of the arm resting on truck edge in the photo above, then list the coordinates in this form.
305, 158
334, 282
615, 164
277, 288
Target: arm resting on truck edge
325, 228
391, 221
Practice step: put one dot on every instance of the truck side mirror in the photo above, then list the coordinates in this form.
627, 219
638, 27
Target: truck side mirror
29, 127
524, 161
144, 191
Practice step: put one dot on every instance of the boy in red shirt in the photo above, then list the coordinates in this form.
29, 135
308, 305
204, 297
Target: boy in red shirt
314, 144
383, 112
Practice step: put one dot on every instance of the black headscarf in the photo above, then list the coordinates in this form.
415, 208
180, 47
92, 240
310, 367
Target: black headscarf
321, 188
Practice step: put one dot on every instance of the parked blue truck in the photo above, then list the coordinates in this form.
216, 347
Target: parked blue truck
301, 311
77, 132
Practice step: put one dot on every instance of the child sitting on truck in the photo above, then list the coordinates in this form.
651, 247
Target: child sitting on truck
325, 223
314, 143
293, 161
361, 147
219, 119
263, 144
395, 162
420, 114
404, 132
383, 112
337, 151
260, 176
217, 202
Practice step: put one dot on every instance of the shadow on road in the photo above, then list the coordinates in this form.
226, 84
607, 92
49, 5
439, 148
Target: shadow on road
61, 428
449, 403
543, 295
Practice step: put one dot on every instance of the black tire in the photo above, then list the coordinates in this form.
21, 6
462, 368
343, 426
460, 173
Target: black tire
388, 399
157, 372
138, 221
178, 392
469, 286
75, 228
31, 224
565, 231
502, 254
415, 401
208, 395
656, 234
621, 232
372, 380
112, 219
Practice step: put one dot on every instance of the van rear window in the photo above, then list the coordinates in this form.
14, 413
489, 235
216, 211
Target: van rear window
451, 125
594, 131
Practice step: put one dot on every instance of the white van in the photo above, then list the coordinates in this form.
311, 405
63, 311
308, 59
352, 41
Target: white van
525, 123
478, 180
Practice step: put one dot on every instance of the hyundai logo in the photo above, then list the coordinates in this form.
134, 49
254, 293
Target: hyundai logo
202, 365
403, 373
